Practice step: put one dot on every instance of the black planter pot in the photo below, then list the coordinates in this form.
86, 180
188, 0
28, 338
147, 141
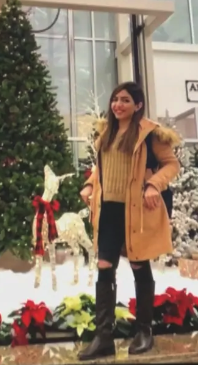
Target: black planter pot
6, 341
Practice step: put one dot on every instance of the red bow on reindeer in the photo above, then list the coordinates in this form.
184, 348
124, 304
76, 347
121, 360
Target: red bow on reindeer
43, 207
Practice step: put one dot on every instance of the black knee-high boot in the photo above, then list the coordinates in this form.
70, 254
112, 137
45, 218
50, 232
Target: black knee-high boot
103, 342
143, 340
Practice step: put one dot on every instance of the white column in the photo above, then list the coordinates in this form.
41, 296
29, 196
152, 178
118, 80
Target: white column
124, 59
149, 77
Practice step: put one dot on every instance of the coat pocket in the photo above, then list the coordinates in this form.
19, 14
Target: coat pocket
153, 220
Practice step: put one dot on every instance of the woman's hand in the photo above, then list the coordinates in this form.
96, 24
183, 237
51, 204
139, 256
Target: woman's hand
151, 197
86, 193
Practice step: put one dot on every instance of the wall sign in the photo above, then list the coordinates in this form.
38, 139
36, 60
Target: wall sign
192, 91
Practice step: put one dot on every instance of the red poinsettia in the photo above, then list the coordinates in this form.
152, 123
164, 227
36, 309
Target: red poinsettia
87, 173
0, 319
35, 312
31, 314
9, 161
19, 335
176, 303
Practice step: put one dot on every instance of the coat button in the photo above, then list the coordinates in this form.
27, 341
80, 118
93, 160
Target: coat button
134, 231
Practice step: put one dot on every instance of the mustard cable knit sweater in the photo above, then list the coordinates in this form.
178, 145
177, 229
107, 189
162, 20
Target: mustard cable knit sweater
115, 173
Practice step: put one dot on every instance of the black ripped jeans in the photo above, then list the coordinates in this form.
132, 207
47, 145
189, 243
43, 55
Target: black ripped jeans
110, 241
111, 238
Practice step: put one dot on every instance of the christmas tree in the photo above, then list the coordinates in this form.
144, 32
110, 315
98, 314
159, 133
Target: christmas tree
31, 133
185, 213
185, 200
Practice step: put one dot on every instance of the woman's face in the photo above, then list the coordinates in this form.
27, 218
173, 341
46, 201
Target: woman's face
123, 106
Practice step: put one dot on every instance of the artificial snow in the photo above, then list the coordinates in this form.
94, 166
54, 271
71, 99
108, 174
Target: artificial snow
16, 289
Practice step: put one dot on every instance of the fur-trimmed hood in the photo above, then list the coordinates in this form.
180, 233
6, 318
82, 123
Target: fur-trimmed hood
164, 134
167, 135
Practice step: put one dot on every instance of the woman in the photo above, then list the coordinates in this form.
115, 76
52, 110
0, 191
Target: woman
127, 207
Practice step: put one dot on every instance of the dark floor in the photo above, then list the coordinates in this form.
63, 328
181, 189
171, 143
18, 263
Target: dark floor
167, 349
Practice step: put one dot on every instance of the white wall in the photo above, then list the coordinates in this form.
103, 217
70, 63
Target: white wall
173, 64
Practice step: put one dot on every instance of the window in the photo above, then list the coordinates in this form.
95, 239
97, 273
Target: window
54, 53
194, 6
42, 18
105, 72
95, 68
88, 38
177, 29
82, 24
104, 26
84, 75
187, 125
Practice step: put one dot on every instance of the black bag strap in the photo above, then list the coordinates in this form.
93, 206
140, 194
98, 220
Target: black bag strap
151, 162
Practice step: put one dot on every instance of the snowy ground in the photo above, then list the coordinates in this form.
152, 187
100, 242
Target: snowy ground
17, 288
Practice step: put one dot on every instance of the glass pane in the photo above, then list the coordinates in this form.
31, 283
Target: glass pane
42, 18
82, 24
195, 18
185, 123
84, 162
177, 28
106, 71
104, 26
84, 90
84, 75
54, 53
187, 126
83, 147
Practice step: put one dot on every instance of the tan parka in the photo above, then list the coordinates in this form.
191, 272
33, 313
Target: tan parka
148, 233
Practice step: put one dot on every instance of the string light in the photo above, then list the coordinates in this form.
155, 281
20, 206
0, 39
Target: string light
70, 229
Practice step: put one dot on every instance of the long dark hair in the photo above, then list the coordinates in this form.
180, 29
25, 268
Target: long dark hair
130, 137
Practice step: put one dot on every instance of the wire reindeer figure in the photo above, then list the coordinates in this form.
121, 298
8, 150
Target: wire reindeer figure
70, 229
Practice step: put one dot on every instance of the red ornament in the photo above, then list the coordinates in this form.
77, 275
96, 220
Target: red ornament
87, 173
9, 161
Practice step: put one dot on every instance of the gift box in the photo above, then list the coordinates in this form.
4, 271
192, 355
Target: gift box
189, 267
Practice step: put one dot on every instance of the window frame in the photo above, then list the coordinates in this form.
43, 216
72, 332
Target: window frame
70, 38
191, 25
